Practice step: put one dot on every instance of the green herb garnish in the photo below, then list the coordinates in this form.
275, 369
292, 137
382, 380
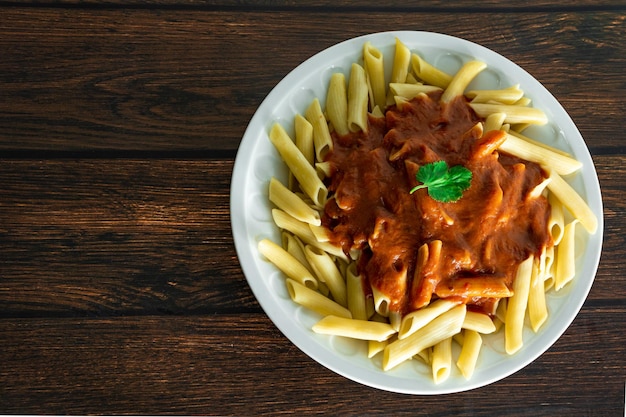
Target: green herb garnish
444, 185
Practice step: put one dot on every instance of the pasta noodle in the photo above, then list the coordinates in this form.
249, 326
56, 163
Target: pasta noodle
298, 165
431, 314
516, 309
461, 80
442, 360
337, 103
357, 99
373, 60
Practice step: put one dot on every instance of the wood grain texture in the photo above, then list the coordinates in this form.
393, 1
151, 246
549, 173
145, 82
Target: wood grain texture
142, 79
329, 5
228, 365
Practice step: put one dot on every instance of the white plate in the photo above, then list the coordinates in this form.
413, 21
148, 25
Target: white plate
257, 161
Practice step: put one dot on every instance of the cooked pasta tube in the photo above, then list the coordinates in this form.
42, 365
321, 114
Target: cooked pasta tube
400, 68
428, 73
295, 247
442, 327
315, 301
573, 202
304, 233
542, 155
304, 138
537, 310
354, 329
373, 65
556, 220
478, 286
494, 121
374, 347
508, 95
461, 79
442, 360
516, 309
410, 91
357, 99
565, 257
472, 342
478, 322
298, 165
287, 263
514, 114
538, 143
321, 135
288, 201
357, 303
337, 103
420, 318
326, 270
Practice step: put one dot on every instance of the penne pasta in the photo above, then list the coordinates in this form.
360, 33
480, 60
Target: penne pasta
478, 286
295, 247
327, 272
400, 68
374, 68
494, 121
565, 260
353, 328
288, 201
410, 91
298, 165
514, 114
287, 263
321, 135
556, 221
573, 202
428, 73
381, 302
542, 155
461, 80
516, 308
304, 138
337, 103
420, 318
442, 327
357, 303
510, 95
357, 99
537, 310
478, 322
303, 232
315, 301
374, 347
441, 363
472, 342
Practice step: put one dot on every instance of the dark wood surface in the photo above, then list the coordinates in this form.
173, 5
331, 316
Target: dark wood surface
120, 289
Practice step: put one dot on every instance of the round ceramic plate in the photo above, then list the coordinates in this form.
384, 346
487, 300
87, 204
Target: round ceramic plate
257, 161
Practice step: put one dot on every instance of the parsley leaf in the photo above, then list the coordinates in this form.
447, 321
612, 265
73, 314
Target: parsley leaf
444, 185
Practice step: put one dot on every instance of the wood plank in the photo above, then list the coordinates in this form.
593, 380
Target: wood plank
242, 365
329, 5
108, 237
91, 79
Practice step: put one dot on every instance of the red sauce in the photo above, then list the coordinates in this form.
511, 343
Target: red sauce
487, 233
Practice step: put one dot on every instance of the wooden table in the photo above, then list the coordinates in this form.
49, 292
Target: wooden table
120, 289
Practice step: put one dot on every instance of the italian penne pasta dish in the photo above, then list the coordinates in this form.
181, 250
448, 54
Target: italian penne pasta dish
420, 216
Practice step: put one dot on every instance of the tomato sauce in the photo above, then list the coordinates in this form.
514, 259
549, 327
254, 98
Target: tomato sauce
485, 234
